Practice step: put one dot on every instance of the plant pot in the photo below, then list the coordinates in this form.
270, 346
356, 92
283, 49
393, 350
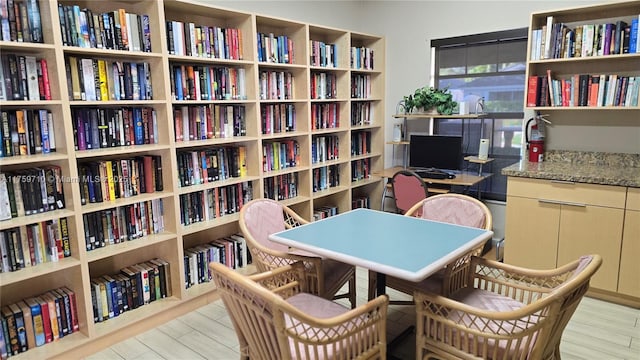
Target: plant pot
431, 111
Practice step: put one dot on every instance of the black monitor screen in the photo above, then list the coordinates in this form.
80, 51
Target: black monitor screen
435, 151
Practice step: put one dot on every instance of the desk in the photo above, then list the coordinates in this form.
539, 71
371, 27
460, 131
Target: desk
464, 178
390, 244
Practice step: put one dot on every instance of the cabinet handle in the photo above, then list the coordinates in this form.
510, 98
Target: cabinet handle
558, 202
565, 182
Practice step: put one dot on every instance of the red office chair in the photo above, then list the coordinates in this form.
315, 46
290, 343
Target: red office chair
408, 189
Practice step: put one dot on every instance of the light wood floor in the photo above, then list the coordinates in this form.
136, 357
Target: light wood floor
598, 330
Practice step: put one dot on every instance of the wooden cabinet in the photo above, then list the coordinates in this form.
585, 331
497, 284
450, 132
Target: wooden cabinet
629, 281
309, 181
550, 223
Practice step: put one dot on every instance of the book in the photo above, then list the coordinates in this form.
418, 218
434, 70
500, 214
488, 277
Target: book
29, 329
13, 344
37, 319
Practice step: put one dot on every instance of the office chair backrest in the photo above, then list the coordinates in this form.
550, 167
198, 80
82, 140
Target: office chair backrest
408, 189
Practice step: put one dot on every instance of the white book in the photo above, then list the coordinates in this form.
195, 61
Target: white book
186, 134
242, 87
134, 32
603, 81
32, 78
547, 42
611, 89
3, 92
630, 86
88, 80
192, 39
5, 206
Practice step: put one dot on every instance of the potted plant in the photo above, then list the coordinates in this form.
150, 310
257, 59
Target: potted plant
428, 99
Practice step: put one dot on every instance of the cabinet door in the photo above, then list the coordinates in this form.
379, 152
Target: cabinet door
629, 280
592, 230
531, 233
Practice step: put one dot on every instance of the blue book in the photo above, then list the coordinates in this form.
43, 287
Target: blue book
138, 129
633, 38
179, 94
35, 24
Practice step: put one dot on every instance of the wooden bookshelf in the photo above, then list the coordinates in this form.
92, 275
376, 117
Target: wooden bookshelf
353, 170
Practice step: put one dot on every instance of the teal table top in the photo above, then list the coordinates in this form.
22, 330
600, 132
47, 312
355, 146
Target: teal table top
401, 246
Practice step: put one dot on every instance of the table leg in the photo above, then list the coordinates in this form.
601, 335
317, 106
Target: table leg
381, 283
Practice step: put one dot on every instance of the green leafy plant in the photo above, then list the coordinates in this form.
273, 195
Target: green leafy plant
427, 98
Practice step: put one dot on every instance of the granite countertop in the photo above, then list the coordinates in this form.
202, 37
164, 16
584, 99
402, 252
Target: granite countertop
583, 167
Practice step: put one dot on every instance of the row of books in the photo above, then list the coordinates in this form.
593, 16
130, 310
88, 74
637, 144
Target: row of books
214, 203
324, 212
325, 116
361, 113
322, 54
27, 132
97, 128
189, 39
278, 155
583, 90
207, 83
104, 80
277, 118
33, 244
360, 86
134, 286
361, 58
558, 40
326, 177
31, 191
360, 169
231, 251
281, 187
275, 49
201, 122
114, 30
212, 164
276, 85
108, 180
360, 143
325, 148
324, 86
124, 223
21, 21
24, 77
360, 202
38, 320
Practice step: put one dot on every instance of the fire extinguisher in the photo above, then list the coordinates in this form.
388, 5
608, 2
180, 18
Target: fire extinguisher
535, 141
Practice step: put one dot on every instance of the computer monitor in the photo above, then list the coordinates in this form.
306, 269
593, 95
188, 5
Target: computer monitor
435, 151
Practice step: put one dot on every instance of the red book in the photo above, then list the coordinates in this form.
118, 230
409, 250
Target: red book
148, 171
45, 79
533, 90
594, 86
46, 319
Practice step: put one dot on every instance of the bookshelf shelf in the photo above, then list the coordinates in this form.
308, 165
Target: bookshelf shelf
77, 271
40, 270
131, 245
36, 218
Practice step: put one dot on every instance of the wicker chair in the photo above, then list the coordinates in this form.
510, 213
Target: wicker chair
275, 319
325, 277
450, 208
506, 312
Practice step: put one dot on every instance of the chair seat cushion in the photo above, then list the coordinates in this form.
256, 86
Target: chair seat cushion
486, 300
318, 307
489, 301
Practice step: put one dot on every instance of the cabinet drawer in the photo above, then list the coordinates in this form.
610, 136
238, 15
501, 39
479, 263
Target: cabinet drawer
633, 199
568, 192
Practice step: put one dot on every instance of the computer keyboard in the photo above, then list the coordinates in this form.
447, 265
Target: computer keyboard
435, 174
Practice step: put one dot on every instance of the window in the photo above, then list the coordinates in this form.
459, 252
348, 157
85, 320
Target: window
489, 66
